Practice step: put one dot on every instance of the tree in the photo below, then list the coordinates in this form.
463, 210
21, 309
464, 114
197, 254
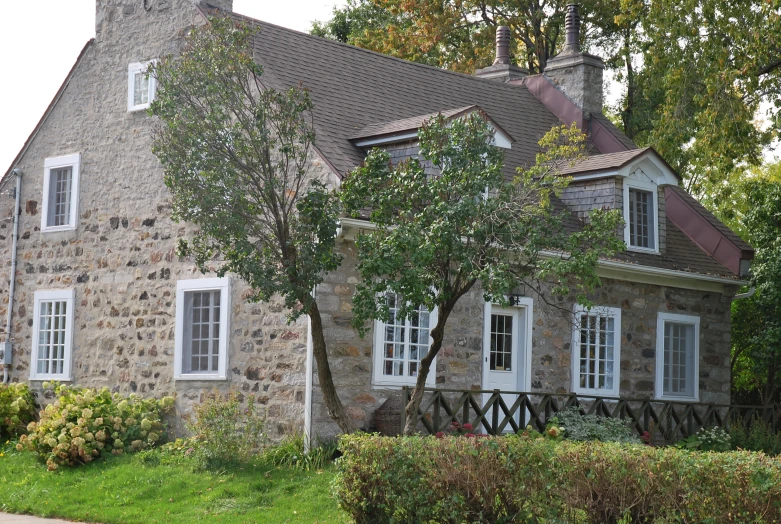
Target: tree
448, 220
756, 320
237, 158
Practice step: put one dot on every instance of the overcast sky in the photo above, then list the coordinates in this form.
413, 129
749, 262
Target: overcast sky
41, 39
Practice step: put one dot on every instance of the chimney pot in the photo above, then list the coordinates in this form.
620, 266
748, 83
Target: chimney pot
572, 27
502, 45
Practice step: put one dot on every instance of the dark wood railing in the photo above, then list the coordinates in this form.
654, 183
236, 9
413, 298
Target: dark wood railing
665, 421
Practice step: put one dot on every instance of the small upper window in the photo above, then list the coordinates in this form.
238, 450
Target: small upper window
597, 351
641, 217
52, 335
60, 193
202, 308
140, 86
400, 344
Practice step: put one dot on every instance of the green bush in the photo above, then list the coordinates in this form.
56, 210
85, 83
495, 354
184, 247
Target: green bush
17, 409
707, 439
581, 427
84, 424
290, 453
522, 479
758, 436
226, 430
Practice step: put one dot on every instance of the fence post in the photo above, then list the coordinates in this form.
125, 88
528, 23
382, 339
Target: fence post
404, 402
495, 413
437, 402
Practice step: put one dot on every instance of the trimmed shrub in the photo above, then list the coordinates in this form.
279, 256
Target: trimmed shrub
226, 430
17, 409
84, 424
522, 479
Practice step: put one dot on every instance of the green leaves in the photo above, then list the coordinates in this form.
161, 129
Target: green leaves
237, 157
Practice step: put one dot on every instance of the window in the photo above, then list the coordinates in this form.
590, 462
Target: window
60, 193
52, 335
202, 309
596, 349
400, 344
677, 357
140, 86
641, 215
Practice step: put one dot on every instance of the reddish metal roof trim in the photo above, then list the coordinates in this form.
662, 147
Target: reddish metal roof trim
566, 111
703, 233
46, 113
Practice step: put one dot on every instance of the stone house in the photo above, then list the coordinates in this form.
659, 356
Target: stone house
94, 294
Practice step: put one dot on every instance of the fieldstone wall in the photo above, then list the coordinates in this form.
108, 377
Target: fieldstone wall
459, 364
121, 258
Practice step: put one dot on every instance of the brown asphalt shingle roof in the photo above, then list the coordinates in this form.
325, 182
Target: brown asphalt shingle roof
406, 124
608, 162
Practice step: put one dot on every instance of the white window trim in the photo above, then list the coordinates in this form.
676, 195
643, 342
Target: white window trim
397, 382
681, 319
132, 69
614, 312
643, 186
63, 295
73, 161
203, 284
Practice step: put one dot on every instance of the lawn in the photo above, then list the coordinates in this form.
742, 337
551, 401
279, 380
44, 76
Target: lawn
155, 486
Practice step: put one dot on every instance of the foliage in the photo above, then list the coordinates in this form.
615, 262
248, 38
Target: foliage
237, 156
521, 479
85, 424
17, 409
756, 336
707, 439
450, 219
155, 487
756, 436
226, 429
582, 427
289, 453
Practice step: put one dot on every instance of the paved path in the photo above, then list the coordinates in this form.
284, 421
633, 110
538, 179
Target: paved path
7, 518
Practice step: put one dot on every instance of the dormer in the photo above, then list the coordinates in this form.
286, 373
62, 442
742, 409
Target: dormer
632, 181
400, 137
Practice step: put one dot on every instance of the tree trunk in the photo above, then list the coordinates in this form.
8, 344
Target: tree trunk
332, 403
629, 106
438, 334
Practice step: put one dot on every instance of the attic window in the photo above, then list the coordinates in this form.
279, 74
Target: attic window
140, 86
641, 216
60, 193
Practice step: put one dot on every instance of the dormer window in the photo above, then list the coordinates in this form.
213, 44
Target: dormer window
140, 86
641, 214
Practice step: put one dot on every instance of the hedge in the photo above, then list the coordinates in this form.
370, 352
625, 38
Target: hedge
522, 479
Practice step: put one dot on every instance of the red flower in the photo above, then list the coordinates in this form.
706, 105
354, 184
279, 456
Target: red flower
470, 435
440, 435
467, 426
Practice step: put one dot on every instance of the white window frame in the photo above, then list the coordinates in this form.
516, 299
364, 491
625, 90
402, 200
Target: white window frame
202, 284
615, 313
132, 70
653, 189
662, 319
74, 162
55, 295
380, 379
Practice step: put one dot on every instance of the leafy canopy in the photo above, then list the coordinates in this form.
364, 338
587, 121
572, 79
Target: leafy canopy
237, 157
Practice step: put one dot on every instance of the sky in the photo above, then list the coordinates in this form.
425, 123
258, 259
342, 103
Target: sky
41, 39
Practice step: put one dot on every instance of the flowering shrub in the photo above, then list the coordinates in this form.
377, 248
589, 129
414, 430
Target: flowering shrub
17, 409
524, 479
84, 424
707, 439
577, 426
226, 430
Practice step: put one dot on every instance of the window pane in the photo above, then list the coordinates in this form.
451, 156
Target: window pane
501, 342
679, 355
60, 183
51, 337
641, 219
406, 341
597, 364
140, 89
201, 345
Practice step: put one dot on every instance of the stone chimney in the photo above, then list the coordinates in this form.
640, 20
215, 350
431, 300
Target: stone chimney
502, 70
578, 75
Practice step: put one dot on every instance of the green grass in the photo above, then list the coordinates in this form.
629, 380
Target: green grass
155, 487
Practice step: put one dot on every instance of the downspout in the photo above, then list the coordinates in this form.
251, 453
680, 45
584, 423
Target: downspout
309, 385
747, 294
12, 284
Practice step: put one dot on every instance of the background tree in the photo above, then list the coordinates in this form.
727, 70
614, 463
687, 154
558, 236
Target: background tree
756, 334
237, 157
448, 220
